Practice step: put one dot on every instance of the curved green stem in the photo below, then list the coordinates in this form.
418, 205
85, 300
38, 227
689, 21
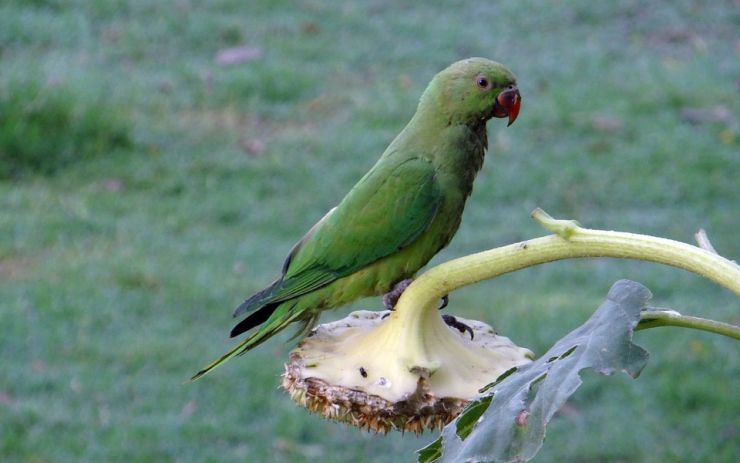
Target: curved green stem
657, 318
570, 241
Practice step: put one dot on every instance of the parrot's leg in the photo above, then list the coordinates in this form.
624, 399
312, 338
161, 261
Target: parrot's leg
390, 298
460, 326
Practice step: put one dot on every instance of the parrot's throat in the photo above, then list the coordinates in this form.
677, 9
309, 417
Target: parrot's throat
479, 134
455, 148
474, 148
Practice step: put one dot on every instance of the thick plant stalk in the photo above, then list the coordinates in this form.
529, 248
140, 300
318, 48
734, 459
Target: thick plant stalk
570, 241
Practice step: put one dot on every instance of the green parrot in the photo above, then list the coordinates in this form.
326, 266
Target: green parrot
398, 216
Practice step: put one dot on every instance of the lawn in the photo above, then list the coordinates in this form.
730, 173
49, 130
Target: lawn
119, 270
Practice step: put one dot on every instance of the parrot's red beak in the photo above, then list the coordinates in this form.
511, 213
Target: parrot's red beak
507, 104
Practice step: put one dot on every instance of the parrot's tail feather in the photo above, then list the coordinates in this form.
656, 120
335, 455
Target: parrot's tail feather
254, 319
280, 321
242, 347
257, 300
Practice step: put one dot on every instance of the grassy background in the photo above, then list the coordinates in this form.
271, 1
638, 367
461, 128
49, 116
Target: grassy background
118, 273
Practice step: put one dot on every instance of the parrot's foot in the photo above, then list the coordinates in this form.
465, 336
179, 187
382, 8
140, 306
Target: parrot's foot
390, 298
460, 326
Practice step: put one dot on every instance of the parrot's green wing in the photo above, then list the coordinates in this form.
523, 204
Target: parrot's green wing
387, 210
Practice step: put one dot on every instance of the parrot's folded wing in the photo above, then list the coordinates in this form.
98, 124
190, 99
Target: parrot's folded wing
386, 211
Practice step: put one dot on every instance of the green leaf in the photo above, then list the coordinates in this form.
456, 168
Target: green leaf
431, 452
473, 412
507, 423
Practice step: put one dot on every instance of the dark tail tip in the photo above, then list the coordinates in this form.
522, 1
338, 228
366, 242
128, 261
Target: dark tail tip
254, 319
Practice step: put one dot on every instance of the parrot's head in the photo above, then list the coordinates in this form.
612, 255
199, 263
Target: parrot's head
475, 89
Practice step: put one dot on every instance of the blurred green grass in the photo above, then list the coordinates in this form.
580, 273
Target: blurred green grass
46, 127
118, 274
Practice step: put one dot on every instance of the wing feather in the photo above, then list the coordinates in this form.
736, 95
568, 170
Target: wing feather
385, 212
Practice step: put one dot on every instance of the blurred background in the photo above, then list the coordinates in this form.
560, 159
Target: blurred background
159, 159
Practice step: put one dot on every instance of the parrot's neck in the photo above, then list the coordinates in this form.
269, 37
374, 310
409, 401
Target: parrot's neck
455, 150
460, 146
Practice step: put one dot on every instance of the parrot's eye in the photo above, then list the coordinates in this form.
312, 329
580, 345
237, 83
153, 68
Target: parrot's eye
483, 82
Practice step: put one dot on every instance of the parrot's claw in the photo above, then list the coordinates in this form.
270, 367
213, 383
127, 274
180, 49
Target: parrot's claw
391, 298
460, 326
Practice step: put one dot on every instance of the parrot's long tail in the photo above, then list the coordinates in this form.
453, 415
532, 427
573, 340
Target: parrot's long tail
277, 317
